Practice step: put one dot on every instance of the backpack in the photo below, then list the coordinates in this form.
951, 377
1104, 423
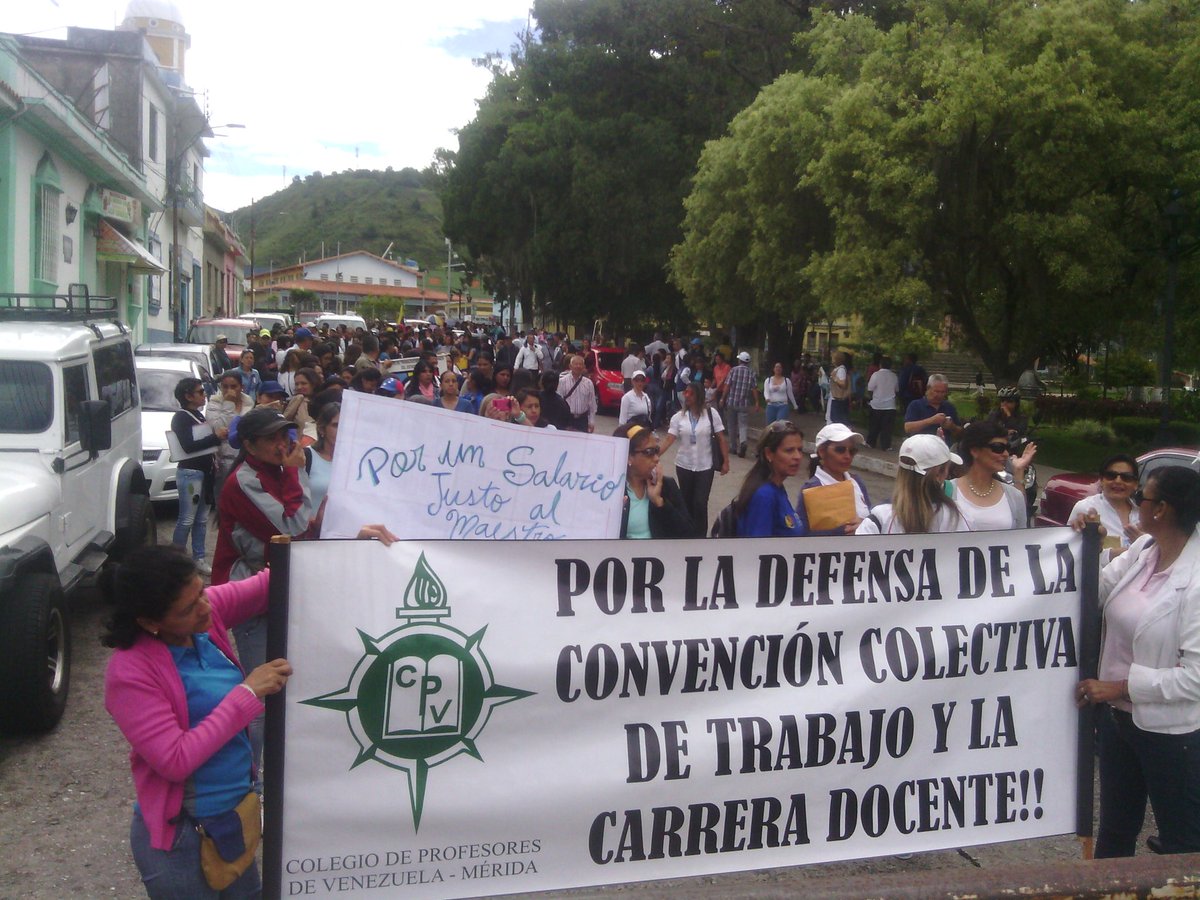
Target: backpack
726, 524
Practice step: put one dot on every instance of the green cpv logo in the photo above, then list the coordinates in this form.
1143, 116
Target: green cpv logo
422, 694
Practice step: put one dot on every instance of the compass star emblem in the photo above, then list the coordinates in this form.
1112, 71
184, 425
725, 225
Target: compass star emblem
421, 694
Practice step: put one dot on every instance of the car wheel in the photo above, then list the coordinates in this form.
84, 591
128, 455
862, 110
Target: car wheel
35, 654
142, 529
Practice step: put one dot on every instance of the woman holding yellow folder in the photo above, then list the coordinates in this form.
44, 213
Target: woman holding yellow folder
833, 500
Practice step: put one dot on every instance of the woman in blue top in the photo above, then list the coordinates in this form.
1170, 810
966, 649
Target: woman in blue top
762, 506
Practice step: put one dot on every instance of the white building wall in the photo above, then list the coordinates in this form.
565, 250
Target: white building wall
74, 245
358, 268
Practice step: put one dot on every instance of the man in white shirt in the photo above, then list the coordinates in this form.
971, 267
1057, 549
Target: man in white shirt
530, 356
883, 388
577, 389
630, 364
655, 345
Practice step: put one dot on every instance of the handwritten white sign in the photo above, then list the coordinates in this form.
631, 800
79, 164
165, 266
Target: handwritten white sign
427, 472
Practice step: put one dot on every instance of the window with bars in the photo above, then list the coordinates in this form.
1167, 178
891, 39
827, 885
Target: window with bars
152, 134
47, 239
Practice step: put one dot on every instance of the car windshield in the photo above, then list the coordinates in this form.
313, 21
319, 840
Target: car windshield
207, 334
611, 359
158, 389
26, 397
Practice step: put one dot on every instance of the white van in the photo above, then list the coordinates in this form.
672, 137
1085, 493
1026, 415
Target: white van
333, 321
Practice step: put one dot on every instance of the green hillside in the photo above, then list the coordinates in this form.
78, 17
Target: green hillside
362, 210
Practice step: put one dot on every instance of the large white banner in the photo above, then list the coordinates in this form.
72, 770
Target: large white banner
473, 718
427, 472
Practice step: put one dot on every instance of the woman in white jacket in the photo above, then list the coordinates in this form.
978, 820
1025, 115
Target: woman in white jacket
1149, 678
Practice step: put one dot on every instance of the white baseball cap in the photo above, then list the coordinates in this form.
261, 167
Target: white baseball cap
638, 374
836, 433
923, 452
744, 356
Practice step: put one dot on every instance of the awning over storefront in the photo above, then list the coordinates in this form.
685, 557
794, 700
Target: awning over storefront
113, 246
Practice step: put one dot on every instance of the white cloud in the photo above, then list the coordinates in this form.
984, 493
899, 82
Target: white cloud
313, 82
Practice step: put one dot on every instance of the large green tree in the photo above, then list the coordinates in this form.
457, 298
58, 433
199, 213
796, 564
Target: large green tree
1001, 163
567, 186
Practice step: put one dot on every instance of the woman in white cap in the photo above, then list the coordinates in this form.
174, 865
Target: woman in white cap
836, 448
636, 404
919, 502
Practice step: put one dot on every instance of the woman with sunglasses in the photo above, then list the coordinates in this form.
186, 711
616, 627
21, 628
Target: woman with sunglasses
762, 506
919, 502
1149, 678
1113, 507
654, 506
837, 446
987, 503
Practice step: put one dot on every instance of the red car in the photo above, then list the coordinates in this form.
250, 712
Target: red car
604, 369
1062, 492
205, 331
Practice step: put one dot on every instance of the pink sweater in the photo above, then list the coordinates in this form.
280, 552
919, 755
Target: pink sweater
144, 694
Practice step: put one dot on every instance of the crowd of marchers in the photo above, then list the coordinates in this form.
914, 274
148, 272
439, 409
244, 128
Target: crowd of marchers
262, 450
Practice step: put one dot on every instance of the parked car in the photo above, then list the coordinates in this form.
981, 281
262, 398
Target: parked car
206, 331
157, 377
73, 494
604, 369
268, 320
1062, 492
203, 355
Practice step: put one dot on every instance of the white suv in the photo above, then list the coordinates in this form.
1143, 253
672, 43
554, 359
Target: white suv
72, 490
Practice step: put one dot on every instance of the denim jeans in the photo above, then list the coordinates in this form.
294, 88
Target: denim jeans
776, 411
839, 411
193, 516
175, 873
251, 637
1136, 766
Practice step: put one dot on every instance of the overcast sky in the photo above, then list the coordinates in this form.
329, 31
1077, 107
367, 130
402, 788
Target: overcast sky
351, 84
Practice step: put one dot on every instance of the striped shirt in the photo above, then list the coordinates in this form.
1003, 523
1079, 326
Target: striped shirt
582, 399
738, 385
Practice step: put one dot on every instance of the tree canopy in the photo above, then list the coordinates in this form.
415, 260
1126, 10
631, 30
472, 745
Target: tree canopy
567, 187
1002, 163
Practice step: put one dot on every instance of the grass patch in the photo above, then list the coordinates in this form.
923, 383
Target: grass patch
1065, 448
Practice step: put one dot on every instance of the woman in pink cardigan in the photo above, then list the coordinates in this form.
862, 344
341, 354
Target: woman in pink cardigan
175, 689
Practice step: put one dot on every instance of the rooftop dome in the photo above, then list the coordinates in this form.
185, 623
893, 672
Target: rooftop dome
163, 10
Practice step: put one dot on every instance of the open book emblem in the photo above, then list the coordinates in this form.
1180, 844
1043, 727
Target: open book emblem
421, 694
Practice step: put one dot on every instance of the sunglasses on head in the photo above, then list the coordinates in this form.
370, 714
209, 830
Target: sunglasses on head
1127, 477
998, 447
783, 425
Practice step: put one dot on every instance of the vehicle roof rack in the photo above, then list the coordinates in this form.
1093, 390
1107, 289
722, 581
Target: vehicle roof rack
75, 305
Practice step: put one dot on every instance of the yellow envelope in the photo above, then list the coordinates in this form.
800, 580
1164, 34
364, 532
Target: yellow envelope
830, 506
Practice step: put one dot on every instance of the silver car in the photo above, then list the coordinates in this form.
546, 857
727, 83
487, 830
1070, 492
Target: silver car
157, 377
204, 356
